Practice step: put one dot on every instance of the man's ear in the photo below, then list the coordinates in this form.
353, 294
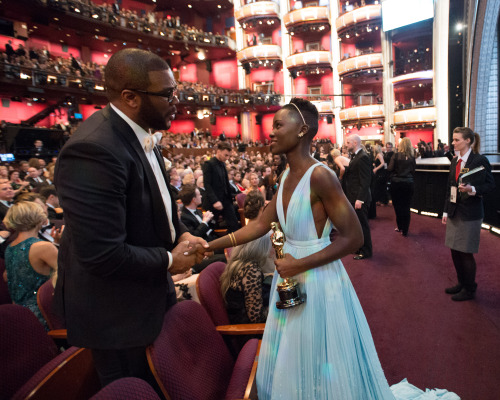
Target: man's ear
131, 98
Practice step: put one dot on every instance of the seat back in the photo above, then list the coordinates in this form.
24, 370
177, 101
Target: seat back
44, 298
240, 199
4, 289
189, 358
127, 388
209, 293
24, 348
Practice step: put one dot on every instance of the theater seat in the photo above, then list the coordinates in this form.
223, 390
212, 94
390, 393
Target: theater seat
44, 298
31, 366
127, 388
190, 360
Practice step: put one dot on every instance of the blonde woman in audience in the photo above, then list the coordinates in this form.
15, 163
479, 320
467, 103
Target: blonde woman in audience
188, 179
29, 261
339, 163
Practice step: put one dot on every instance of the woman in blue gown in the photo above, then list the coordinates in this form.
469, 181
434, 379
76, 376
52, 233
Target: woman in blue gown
323, 348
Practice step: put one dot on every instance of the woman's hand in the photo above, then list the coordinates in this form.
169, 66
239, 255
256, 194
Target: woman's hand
288, 266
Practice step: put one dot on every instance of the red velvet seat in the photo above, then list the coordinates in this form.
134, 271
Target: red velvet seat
44, 298
4, 289
127, 388
191, 361
30, 363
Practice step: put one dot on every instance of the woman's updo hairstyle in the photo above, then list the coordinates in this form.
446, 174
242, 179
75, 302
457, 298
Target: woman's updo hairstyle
309, 112
254, 201
467, 133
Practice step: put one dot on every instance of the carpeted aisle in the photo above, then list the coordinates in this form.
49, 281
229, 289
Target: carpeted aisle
419, 332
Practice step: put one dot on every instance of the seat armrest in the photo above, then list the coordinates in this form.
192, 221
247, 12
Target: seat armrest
241, 329
58, 334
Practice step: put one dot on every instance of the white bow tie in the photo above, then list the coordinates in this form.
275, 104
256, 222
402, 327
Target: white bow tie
151, 141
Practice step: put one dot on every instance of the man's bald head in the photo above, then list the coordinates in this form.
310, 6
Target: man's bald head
129, 69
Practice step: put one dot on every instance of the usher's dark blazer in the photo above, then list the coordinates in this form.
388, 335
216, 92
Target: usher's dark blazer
358, 177
216, 183
470, 207
113, 285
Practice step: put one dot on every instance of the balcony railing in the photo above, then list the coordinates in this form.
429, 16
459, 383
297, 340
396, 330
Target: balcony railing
261, 9
362, 14
323, 106
306, 15
309, 58
259, 52
366, 61
362, 112
415, 115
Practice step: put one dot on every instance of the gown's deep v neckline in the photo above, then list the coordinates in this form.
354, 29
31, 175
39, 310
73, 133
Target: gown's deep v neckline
285, 211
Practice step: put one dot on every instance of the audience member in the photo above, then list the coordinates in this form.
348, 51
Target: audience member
243, 284
357, 190
29, 261
402, 170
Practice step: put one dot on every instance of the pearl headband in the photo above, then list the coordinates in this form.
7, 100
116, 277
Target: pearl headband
295, 105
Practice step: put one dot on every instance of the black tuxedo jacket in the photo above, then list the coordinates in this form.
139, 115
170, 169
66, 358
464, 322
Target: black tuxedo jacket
216, 183
195, 227
113, 283
3, 212
470, 207
357, 178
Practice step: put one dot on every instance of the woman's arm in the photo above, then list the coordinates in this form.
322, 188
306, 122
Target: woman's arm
43, 259
339, 163
325, 188
381, 165
252, 289
253, 230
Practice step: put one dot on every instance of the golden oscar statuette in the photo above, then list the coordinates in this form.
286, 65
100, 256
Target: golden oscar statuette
288, 290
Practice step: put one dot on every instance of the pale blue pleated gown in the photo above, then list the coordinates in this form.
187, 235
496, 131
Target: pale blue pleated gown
322, 349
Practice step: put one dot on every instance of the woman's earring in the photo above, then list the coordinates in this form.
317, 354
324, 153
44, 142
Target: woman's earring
301, 134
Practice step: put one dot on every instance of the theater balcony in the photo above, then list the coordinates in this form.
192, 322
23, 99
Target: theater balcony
261, 56
307, 19
260, 13
364, 112
324, 106
369, 14
317, 59
371, 61
419, 115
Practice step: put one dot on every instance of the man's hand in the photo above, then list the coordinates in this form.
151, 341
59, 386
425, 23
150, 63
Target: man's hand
197, 246
358, 204
218, 206
444, 219
465, 188
183, 258
207, 216
56, 234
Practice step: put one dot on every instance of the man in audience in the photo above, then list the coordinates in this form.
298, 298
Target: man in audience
52, 202
357, 180
34, 179
217, 197
123, 238
23, 169
6, 196
197, 223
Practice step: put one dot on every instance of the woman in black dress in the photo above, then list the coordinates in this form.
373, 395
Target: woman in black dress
402, 169
463, 212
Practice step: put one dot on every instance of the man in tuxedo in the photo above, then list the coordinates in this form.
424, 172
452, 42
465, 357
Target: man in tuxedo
34, 178
38, 150
357, 180
123, 238
6, 196
52, 201
217, 196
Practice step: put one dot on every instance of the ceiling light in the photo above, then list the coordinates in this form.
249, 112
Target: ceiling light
190, 6
201, 55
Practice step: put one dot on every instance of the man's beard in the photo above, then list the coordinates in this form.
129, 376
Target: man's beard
152, 117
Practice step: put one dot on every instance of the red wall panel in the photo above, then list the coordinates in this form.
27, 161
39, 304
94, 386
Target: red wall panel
182, 126
227, 124
225, 74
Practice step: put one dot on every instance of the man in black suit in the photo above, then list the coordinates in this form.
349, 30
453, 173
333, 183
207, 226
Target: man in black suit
6, 196
123, 238
217, 197
357, 180
198, 223
52, 201
35, 180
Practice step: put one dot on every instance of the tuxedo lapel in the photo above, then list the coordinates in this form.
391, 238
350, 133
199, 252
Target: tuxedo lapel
123, 130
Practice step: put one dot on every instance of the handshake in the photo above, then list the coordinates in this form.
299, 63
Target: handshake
190, 251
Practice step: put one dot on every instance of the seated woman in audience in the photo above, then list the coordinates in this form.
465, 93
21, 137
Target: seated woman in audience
29, 261
18, 185
253, 179
243, 284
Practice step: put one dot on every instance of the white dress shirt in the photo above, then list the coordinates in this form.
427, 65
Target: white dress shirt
155, 166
